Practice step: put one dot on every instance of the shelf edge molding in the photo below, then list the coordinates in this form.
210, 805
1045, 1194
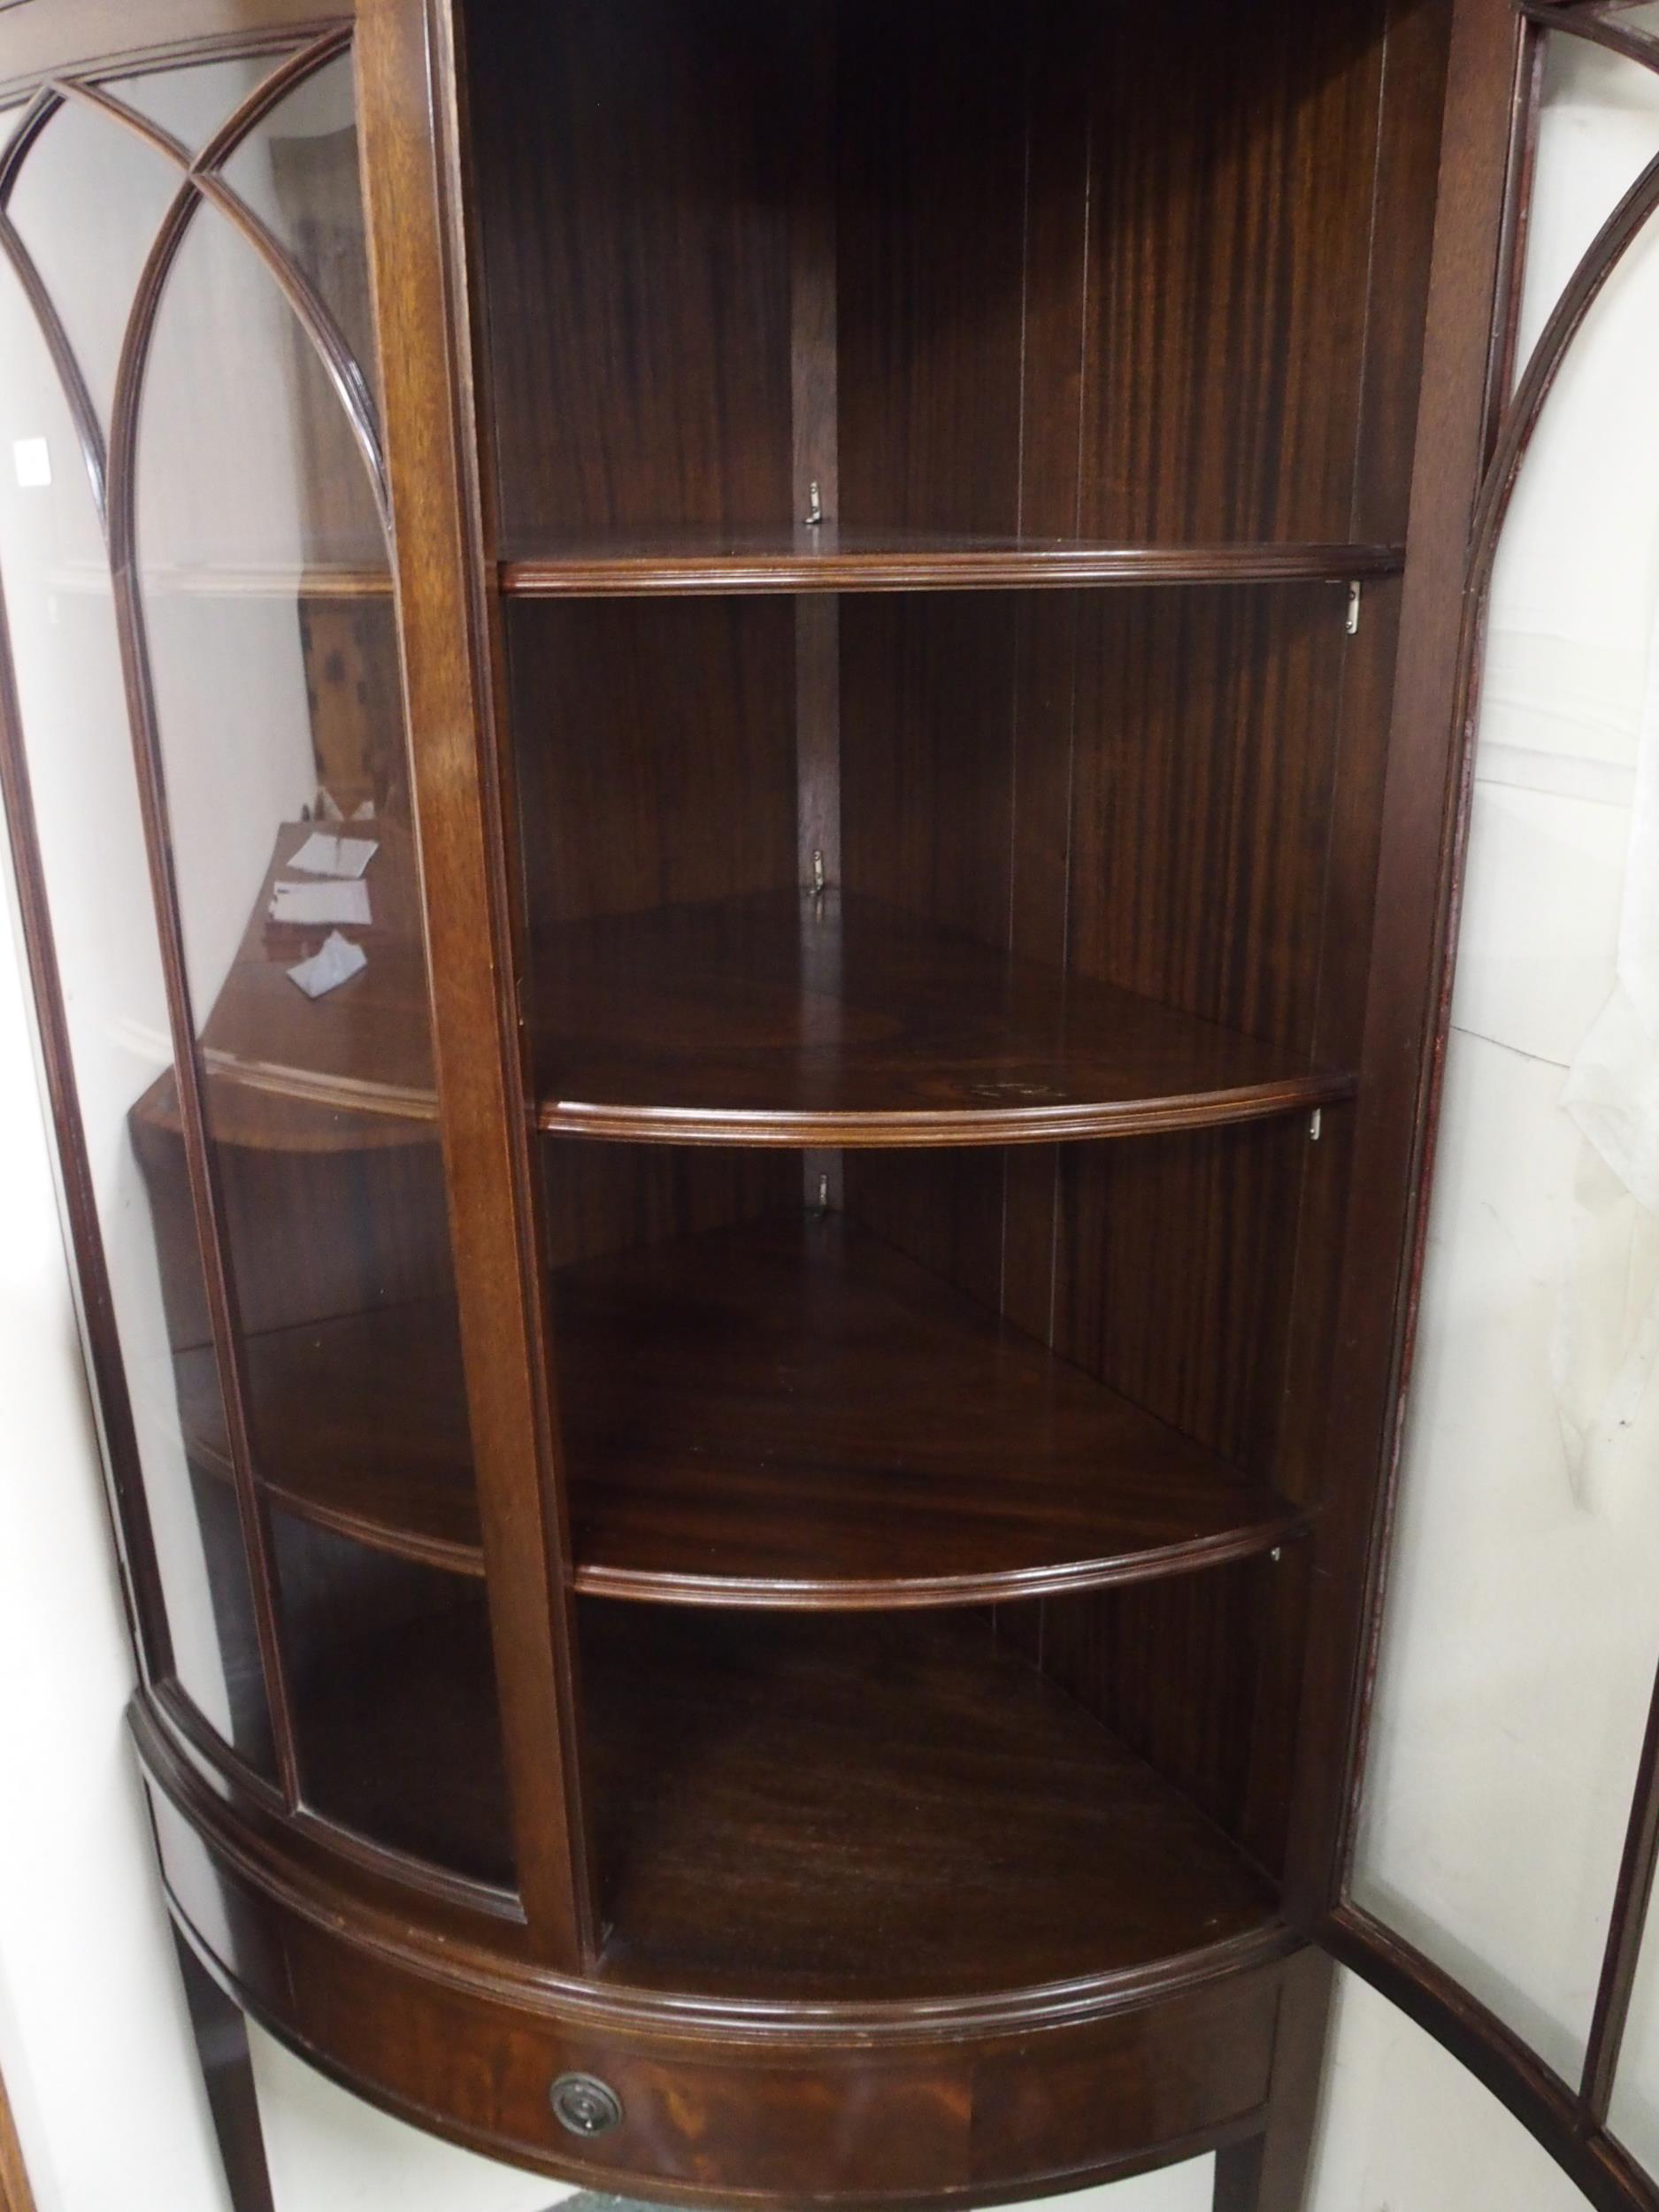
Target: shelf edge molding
948, 1126
578, 574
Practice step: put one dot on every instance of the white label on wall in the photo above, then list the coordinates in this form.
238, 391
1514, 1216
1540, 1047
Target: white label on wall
33, 462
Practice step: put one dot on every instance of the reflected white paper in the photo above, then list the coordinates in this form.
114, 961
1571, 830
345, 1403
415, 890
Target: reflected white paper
323, 854
312, 905
337, 961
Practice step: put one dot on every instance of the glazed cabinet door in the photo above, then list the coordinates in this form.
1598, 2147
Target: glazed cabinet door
1497, 1875
216, 823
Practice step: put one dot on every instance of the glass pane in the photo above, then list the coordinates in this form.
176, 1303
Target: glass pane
298, 172
88, 201
92, 851
1634, 2112
1598, 128
191, 104
1521, 1631
271, 626
395, 1703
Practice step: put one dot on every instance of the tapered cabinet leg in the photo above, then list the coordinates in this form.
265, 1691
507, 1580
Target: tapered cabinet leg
221, 2044
1269, 2172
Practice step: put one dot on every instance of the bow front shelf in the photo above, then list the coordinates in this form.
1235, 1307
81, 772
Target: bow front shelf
783, 1018
698, 745
778, 1416
835, 557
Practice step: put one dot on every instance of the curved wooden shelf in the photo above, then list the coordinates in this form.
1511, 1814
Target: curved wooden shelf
358, 1423
787, 1018
793, 1414
841, 558
788, 1415
989, 1838
986, 1834
343, 1072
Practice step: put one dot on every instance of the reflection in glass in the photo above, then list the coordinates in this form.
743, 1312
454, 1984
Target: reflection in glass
1598, 128
386, 1652
1521, 1631
270, 621
89, 198
297, 171
190, 104
74, 732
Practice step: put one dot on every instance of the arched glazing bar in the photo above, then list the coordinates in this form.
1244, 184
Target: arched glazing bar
290, 66
1567, 2118
224, 1313
78, 398
199, 183
202, 183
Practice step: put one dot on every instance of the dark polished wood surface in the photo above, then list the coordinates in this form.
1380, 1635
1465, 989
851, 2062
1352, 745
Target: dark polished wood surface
1031, 300
359, 1424
343, 1071
742, 1765
842, 557
788, 1019
787, 1414
795, 1413
781, 2103
781, 1019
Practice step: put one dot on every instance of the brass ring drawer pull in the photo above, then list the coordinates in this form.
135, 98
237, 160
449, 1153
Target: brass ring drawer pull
585, 2105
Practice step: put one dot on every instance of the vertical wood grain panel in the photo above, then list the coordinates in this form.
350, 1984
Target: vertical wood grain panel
409, 134
932, 183
634, 168
654, 751
1229, 239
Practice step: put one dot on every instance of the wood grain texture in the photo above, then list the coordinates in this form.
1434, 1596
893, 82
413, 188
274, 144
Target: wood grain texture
408, 128
1021, 1846
793, 1414
900, 1908
948, 2121
790, 1018
360, 1419
841, 558
634, 170
655, 754
787, 1414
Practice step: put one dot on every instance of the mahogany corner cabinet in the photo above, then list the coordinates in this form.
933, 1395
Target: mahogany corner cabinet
733, 736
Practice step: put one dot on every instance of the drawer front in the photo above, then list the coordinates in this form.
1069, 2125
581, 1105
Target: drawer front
710, 2119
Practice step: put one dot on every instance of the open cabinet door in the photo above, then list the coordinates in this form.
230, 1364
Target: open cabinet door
1491, 1863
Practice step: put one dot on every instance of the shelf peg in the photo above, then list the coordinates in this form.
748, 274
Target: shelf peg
1353, 590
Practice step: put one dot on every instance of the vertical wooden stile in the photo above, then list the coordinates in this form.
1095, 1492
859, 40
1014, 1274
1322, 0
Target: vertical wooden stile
407, 122
815, 486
